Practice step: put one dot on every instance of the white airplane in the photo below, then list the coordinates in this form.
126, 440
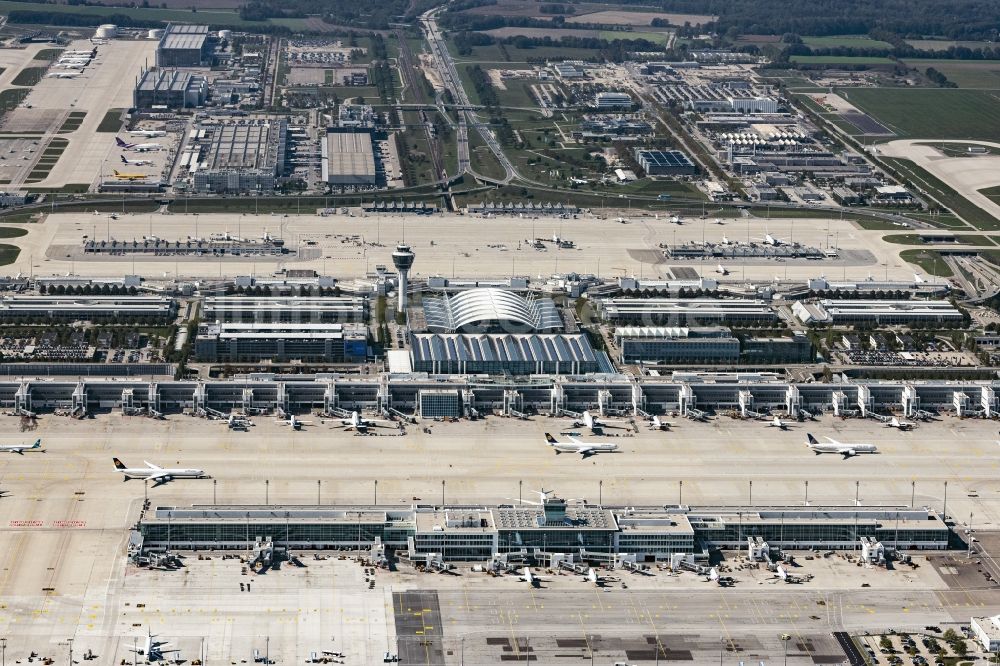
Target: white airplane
126, 160
158, 474
846, 450
772, 240
721, 270
574, 445
140, 147
530, 578
294, 422
359, 423
778, 423
726, 241
19, 449
782, 574
593, 423
674, 219
656, 424
595, 578
917, 279
149, 134
63, 75
152, 649
896, 423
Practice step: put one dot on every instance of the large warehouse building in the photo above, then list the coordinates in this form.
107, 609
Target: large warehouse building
585, 532
184, 46
712, 344
284, 309
516, 354
348, 157
685, 311
490, 310
172, 88
241, 156
664, 162
253, 343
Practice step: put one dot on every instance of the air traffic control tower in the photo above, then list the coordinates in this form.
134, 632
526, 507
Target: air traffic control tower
402, 259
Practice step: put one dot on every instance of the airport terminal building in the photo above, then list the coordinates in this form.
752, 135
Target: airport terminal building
480, 533
233, 342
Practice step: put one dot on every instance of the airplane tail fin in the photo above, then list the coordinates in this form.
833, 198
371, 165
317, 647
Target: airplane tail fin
550, 439
124, 161
120, 143
119, 464
37, 444
812, 440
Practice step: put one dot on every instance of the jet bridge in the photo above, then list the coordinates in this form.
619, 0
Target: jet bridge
686, 400
746, 402
22, 400
557, 399
911, 400
79, 404
988, 401
793, 401
513, 403
864, 399
839, 401
960, 403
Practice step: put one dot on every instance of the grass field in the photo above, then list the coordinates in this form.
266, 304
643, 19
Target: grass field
29, 76
964, 73
932, 113
945, 44
72, 122
8, 254
850, 41
840, 60
48, 54
928, 260
215, 18
655, 37
992, 193
944, 194
12, 232
10, 98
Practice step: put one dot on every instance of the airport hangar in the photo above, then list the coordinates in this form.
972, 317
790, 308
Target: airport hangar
605, 394
588, 532
347, 157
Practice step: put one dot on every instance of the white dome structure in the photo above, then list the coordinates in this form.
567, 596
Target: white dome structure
482, 309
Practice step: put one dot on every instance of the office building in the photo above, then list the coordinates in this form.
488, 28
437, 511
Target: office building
675, 344
172, 88
986, 631
184, 46
485, 309
285, 309
515, 354
241, 155
877, 313
348, 157
612, 100
665, 162
281, 342
689, 312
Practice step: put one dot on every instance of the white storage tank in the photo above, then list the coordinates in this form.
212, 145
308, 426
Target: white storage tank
106, 31
155, 33
226, 34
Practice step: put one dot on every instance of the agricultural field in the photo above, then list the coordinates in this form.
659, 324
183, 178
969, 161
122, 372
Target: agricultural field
848, 41
964, 73
587, 12
840, 60
639, 18
931, 113
216, 18
945, 44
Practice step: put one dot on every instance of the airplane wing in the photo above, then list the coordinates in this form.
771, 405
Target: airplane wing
586, 451
832, 441
151, 465
159, 475
574, 439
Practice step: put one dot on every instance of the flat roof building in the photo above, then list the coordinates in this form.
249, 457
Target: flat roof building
987, 632
86, 308
612, 100
478, 533
184, 46
855, 312
664, 162
674, 344
516, 354
284, 309
241, 155
172, 88
685, 311
348, 157
233, 342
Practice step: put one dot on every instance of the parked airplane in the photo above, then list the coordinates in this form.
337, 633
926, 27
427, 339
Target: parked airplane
149, 134
21, 448
359, 423
530, 578
773, 240
585, 449
778, 423
151, 649
846, 450
294, 422
238, 422
141, 147
782, 574
158, 474
130, 176
63, 75
593, 423
656, 424
595, 578
896, 423
126, 160
721, 270
714, 577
